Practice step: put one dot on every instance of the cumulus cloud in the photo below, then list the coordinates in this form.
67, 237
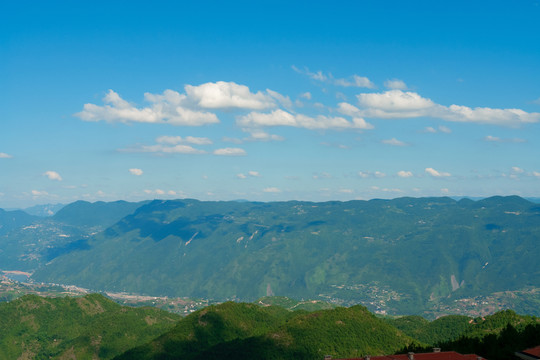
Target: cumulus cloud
406, 104
5, 156
271, 190
282, 118
228, 95
395, 84
436, 173
536, 173
136, 172
230, 152
404, 174
430, 130
167, 108
394, 142
52, 175
395, 104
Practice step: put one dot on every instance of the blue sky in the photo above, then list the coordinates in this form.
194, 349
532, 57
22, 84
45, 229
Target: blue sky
268, 100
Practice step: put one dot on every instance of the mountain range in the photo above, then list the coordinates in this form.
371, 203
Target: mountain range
400, 256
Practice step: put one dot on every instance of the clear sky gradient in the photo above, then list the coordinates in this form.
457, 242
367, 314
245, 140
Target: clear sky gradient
268, 100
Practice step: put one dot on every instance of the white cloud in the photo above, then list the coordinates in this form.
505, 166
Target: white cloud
168, 108
228, 95
445, 191
355, 80
230, 152
259, 135
517, 170
441, 128
319, 76
394, 142
282, 118
136, 172
536, 173
406, 104
250, 173
162, 192
285, 101
436, 173
39, 193
395, 84
164, 149
323, 175
346, 191
444, 129
173, 140
271, 190
363, 174
52, 175
368, 174
306, 95
5, 156
395, 104
490, 138
404, 174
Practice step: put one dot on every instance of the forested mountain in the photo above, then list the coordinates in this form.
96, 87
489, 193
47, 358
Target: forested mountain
94, 327
28, 242
247, 331
399, 256
90, 327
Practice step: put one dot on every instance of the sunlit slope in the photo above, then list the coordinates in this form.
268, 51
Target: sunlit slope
399, 253
90, 327
248, 331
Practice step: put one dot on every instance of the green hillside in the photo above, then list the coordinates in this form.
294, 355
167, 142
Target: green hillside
401, 256
248, 331
496, 337
435, 332
90, 327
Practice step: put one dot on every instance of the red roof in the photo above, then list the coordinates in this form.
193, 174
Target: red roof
443, 355
535, 351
